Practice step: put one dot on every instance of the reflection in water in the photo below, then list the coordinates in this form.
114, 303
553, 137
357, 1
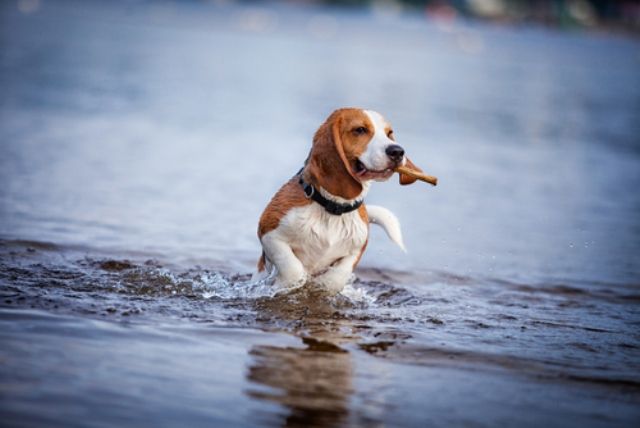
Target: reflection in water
314, 383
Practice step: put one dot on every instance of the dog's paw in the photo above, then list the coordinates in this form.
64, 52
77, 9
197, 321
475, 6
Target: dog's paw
289, 283
334, 280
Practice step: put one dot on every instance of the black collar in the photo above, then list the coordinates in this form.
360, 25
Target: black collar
331, 207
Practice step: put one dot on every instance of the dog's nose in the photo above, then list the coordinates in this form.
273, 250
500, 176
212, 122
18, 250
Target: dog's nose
395, 152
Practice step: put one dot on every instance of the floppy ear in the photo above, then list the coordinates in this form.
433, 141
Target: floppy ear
328, 165
404, 178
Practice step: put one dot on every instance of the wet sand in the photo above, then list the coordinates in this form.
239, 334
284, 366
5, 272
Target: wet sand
139, 143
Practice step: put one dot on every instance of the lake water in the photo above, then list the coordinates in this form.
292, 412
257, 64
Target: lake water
140, 141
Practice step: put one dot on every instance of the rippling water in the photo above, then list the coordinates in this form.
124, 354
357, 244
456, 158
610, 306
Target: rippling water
139, 143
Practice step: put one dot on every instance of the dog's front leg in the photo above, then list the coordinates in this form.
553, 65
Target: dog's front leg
338, 275
290, 271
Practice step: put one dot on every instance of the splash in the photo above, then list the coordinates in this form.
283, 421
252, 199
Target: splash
358, 295
214, 285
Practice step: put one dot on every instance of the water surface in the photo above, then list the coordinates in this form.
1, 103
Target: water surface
139, 143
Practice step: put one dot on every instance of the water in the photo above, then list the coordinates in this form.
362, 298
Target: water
140, 142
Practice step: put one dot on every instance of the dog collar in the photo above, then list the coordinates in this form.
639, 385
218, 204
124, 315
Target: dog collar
330, 206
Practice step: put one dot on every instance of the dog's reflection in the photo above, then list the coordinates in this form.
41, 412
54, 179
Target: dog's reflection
314, 381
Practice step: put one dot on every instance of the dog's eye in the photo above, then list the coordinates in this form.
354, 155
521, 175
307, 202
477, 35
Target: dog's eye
361, 130
390, 133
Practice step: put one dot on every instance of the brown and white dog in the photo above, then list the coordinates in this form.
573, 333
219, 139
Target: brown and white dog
316, 227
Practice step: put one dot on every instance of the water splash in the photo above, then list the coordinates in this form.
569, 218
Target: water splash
215, 285
357, 294
212, 285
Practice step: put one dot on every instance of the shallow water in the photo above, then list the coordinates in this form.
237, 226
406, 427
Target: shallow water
139, 143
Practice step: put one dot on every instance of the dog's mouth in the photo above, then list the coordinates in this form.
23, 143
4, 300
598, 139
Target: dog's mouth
363, 173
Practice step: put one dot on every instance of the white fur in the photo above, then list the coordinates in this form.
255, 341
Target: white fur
375, 157
310, 242
389, 222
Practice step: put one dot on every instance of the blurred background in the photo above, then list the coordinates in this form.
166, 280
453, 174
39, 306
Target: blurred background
165, 126
620, 15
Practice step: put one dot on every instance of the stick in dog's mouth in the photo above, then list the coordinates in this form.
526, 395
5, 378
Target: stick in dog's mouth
418, 175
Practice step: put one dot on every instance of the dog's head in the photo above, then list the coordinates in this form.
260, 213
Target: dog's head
354, 146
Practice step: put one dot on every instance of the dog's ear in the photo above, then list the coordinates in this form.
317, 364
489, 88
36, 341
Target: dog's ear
404, 178
336, 130
328, 164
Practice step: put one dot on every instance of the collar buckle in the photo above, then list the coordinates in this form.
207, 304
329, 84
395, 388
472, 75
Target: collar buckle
308, 189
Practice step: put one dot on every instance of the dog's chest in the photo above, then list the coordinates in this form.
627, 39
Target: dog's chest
318, 238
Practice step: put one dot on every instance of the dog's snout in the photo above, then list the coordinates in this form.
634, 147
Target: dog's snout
395, 152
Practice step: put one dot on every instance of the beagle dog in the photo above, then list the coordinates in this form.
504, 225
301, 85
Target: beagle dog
316, 227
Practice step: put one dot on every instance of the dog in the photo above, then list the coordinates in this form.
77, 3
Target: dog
316, 227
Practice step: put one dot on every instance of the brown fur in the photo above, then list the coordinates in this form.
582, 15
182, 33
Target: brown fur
289, 196
261, 263
335, 150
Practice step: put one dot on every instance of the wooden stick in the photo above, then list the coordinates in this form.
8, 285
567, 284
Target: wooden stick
418, 175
